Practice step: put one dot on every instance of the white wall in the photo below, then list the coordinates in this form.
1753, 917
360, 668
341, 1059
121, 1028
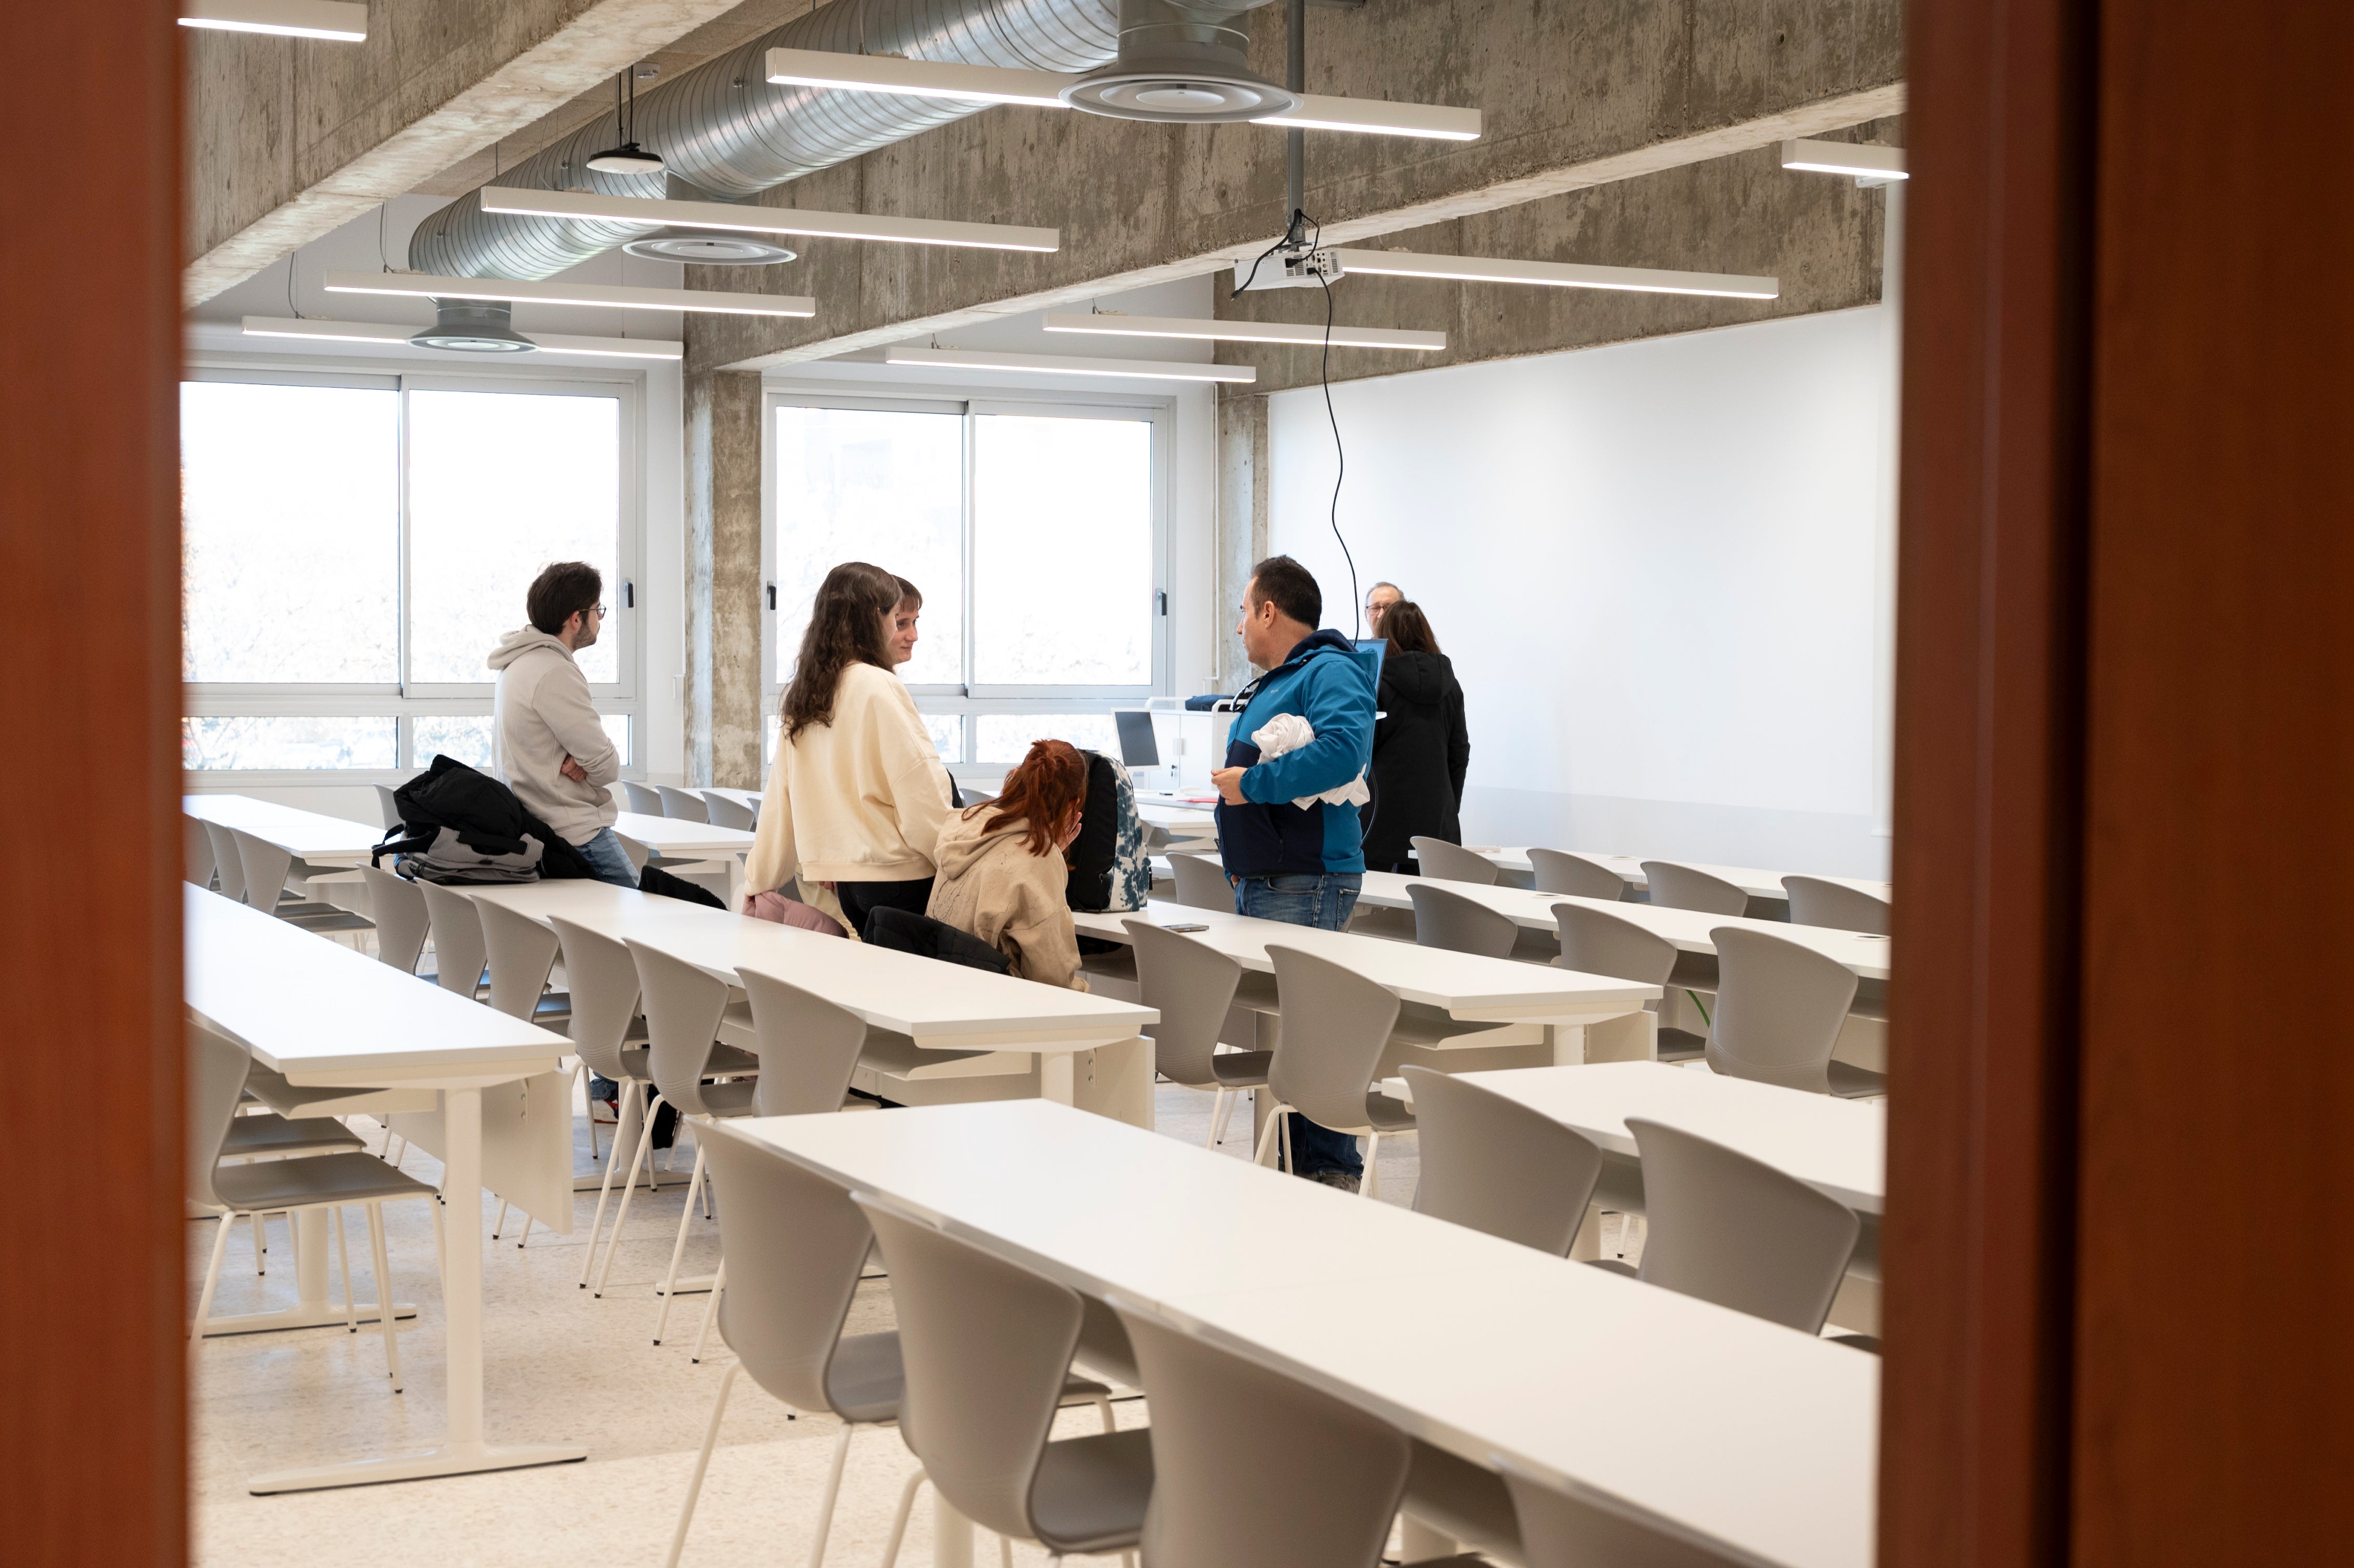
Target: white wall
1654, 567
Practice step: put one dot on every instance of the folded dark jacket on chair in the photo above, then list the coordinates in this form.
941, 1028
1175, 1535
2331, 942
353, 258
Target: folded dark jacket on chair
920, 934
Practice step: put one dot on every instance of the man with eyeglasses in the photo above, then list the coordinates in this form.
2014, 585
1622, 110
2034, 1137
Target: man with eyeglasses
1378, 599
546, 742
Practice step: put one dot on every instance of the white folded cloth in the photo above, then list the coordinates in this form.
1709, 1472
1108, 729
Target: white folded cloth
1289, 732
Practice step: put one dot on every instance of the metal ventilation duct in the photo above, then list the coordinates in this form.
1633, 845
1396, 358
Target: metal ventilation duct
725, 131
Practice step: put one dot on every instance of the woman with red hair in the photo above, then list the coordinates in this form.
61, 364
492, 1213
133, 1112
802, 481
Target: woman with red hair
1002, 873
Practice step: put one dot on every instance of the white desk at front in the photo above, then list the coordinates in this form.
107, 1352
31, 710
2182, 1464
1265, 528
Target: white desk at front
1462, 986
939, 1006
1750, 1439
325, 1016
311, 837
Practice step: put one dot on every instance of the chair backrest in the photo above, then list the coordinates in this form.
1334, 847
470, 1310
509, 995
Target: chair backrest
1202, 883
1558, 871
683, 804
228, 864
200, 847
387, 807
808, 1046
643, 798
986, 1345
1302, 1477
683, 1006
1450, 920
639, 853
603, 980
1677, 886
522, 954
1558, 1530
728, 813
1335, 1025
1734, 1231
1191, 985
266, 868
1596, 942
1815, 901
1444, 862
401, 918
460, 951
1780, 1008
217, 1070
795, 1245
1495, 1165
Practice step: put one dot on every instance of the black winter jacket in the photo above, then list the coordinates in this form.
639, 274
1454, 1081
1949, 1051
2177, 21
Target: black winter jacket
1421, 752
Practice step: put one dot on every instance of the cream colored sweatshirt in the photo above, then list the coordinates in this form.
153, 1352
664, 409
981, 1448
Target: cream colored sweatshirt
540, 713
993, 888
859, 799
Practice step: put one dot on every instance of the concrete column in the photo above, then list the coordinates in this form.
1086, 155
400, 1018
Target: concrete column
1242, 523
724, 702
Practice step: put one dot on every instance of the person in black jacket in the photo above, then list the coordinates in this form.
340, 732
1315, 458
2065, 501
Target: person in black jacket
1421, 748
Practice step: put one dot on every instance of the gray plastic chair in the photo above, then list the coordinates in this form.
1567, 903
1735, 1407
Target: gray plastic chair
228, 867
267, 865
1734, 1231
728, 813
1202, 883
1817, 901
1450, 920
1677, 886
683, 804
637, 853
1558, 871
1779, 1007
1336, 1023
685, 1011
460, 951
1254, 1469
609, 1035
402, 919
1596, 942
1495, 1165
1562, 1532
1452, 863
988, 1345
808, 1047
216, 1076
643, 798
522, 954
198, 846
1193, 985
387, 807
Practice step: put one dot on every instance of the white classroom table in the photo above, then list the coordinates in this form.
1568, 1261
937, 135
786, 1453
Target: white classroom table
325, 1016
1750, 1439
1867, 954
1463, 986
939, 1006
1750, 879
311, 837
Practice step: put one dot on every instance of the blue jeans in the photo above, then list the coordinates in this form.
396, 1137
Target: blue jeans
611, 861
1324, 902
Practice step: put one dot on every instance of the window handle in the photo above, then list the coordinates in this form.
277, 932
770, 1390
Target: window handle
1165, 601
630, 597
772, 595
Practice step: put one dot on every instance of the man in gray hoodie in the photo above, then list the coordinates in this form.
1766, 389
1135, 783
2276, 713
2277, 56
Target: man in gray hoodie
547, 744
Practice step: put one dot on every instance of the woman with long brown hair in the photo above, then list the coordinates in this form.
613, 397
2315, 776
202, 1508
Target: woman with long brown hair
1421, 746
857, 794
1001, 871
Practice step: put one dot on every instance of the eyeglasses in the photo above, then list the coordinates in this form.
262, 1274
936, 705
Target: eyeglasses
595, 610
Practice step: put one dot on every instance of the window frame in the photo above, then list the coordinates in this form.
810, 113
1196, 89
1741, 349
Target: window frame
968, 701
406, 700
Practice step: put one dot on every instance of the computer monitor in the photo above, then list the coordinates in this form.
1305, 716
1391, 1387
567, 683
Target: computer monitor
1137, 746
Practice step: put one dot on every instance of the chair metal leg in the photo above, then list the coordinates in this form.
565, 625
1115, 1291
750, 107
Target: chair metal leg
1266, 1138
1233, 1099
1103, 1408
344, 1260
1289, 1163
384, 1312
678, 1247
710, 1310
832, 1490
702, 1463
1371, 1187
899, 1519
645, 1139
1217, 1112
500, 1223
254, 1219
1004, 1552
605, 1187
212, 1278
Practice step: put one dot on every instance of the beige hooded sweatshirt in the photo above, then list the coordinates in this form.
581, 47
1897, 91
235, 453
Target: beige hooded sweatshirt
540, 715
858, 800
992, 885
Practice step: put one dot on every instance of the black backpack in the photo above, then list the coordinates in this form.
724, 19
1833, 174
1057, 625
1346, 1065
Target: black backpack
1092, 855
482, 813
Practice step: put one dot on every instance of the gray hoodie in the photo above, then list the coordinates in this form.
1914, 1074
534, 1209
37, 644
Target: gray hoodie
541, 715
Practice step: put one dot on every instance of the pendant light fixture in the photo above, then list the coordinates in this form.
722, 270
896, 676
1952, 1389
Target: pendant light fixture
559, 344
629, 158
751, 218
337, 21
612, 296
1868, 164
1066, 364
1109, 324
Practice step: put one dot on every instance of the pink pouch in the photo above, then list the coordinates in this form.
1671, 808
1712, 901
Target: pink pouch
786, 911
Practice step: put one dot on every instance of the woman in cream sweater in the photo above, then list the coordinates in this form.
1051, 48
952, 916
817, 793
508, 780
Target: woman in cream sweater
1002, 869
857, 794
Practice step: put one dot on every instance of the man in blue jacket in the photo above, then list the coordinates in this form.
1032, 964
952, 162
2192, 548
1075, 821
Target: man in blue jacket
1300, 865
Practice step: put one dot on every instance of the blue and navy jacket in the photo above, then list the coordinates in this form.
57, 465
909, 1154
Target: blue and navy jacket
1327, 681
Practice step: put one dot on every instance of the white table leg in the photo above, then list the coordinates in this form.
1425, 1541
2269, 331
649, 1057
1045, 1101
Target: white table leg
1568, 1044
951, 1531
463, 1451
311, 1309
1055, 1081
1418, 1543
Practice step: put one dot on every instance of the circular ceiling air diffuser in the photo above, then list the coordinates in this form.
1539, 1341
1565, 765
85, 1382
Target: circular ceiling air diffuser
704, 248
475, 326
1177, 96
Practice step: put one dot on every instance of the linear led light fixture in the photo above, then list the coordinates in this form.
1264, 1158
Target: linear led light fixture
1243, 332
1557, 274
423, 286
1865, 162
1043, 90
339, 21
1065, 364
377, 333
595, 208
